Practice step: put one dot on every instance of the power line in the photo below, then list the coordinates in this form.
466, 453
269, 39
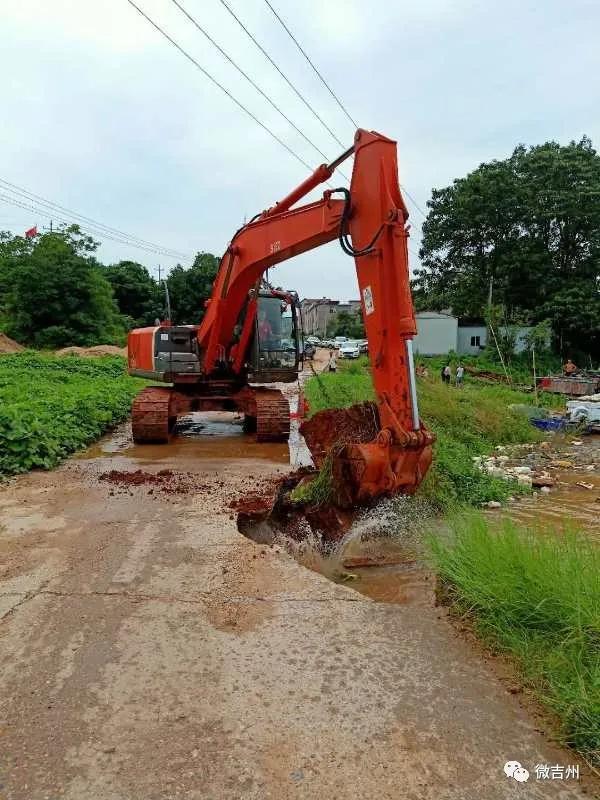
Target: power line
32, 197
283, 75
50, 214
328, 87
414, 202
219, 85
322, 79
250, 80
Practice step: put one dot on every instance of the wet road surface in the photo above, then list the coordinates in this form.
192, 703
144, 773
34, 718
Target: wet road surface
149, 651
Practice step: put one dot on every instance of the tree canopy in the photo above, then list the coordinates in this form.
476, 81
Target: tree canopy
347, 324
529, 227
137, 293
54, 292
189, 288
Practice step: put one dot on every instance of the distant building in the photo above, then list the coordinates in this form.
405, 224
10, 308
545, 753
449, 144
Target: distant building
439, 333
436, 333
318, 312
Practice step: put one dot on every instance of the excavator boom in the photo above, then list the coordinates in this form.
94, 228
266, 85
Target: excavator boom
374, 449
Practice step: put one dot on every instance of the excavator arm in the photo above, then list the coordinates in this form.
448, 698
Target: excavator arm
375, 448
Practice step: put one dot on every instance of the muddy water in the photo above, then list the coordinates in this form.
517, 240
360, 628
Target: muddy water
203, 436
574, 500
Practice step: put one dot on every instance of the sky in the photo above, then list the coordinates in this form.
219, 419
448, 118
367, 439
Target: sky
101, 115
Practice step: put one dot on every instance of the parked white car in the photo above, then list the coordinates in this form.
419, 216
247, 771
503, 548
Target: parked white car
350, 350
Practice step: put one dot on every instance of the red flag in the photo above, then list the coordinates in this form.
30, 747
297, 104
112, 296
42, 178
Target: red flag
31, 232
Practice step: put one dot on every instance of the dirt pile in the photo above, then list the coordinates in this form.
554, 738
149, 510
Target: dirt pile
166, 481
9, 345
96, 351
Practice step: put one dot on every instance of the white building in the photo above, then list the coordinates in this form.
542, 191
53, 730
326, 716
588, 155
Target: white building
439, 333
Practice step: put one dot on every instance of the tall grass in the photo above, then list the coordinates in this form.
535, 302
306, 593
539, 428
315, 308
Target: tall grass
536, 597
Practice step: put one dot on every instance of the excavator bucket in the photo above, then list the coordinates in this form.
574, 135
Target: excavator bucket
363, 460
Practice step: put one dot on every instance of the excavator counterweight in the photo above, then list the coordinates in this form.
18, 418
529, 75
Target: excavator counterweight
373, 449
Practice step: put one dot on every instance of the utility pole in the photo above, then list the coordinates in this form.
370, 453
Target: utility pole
159, 274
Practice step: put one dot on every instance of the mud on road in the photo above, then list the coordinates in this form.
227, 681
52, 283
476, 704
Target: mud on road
149, 651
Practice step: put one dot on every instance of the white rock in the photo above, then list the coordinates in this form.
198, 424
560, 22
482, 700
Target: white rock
577, 443
493, 504
522, 470
545, 489
500, 448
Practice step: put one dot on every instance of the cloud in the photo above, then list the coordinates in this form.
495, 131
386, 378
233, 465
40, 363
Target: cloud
102, 115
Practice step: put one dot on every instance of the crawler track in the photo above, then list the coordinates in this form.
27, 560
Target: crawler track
150, 417
272, 417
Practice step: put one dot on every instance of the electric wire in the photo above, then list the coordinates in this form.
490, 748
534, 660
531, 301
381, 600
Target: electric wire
219, 85
51, 214
322, 79
274, 105
32, 197
280, 71
330, 90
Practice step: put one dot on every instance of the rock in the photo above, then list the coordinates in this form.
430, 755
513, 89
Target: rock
524, 480
545, 489
542, 481
562, 464
502, 459
493, 504
500, 448
522, 470
585, 485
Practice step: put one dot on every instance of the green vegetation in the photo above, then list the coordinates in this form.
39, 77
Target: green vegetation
528, 226
537, 598
54, 292
467, 422
51, 406
347, 324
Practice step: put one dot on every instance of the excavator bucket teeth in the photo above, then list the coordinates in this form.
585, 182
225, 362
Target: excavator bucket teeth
364, 465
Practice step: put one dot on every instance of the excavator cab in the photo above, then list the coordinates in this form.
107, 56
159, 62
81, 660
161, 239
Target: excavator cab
276, 354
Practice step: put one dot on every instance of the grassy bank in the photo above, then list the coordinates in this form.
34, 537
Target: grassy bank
536, 598
467, 422
50, 406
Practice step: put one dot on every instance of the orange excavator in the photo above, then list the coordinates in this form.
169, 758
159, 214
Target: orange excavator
249, 336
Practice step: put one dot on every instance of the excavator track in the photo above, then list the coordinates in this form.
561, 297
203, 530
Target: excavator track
272, 417
150, 418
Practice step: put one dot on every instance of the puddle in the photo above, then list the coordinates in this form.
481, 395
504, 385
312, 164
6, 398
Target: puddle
212, 435
567, 504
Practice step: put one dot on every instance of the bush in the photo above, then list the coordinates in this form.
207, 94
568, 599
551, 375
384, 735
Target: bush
538, 598
51, 406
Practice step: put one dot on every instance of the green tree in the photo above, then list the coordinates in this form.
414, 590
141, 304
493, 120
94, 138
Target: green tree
529, 227
57, 293
347, 324
189, 288
138, 295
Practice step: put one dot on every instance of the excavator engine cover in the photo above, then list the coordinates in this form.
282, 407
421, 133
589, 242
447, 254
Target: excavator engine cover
365, 462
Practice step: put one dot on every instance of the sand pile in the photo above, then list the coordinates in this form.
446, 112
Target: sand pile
95, 351
9, 345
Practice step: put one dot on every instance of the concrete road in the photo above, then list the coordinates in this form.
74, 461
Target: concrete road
149, 651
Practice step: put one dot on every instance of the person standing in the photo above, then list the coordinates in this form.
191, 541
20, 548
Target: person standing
460, 374
332, 363
446, 373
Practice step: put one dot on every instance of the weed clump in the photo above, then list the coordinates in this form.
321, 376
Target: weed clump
536, 597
